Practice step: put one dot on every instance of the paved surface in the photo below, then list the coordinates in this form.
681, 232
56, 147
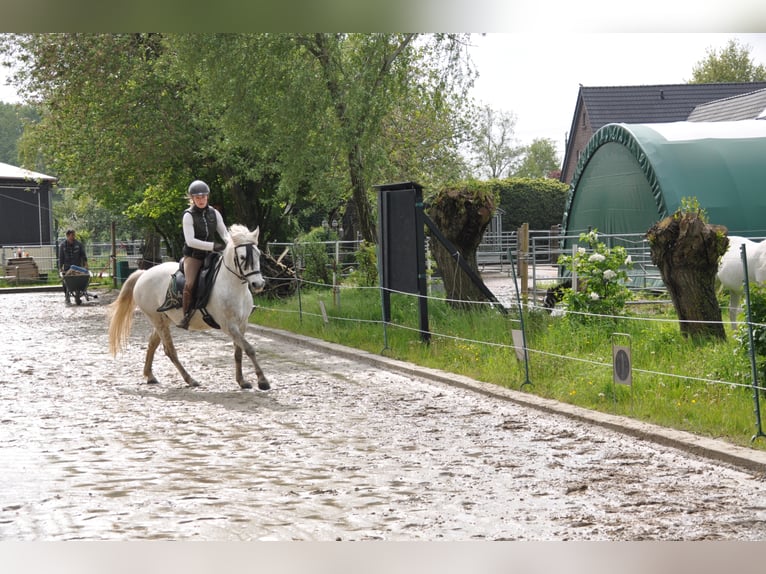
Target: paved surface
346, 446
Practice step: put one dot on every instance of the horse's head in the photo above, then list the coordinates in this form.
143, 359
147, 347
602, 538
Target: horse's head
246, 256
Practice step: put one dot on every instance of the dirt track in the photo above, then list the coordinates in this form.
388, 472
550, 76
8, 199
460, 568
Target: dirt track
337, 450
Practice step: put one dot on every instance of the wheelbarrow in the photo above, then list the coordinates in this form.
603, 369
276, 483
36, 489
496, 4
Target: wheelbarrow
76, 281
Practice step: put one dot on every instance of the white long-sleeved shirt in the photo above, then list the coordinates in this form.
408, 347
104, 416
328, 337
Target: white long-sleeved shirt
188, 229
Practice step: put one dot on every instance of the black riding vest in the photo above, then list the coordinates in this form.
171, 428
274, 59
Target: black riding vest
205, 224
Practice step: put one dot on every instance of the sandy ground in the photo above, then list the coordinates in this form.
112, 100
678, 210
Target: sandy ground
337, 450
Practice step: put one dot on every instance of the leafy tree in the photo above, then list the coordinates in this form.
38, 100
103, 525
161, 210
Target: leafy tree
493, 144
317, 108
732, 64
83, 213
112, 123
10, 132
282, 126
539, 160
12, 120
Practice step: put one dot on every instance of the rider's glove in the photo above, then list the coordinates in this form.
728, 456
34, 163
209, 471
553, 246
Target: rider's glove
218, 246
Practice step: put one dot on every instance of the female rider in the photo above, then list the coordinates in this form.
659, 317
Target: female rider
200, 224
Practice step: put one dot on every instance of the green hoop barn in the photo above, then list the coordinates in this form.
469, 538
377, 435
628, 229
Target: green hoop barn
632, 175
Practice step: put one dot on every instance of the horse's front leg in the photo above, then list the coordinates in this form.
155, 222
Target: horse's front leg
240, 344
238, 368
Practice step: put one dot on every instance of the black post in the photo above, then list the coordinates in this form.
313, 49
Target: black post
420, 241
753, 365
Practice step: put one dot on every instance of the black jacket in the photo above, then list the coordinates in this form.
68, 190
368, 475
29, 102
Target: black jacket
72, 254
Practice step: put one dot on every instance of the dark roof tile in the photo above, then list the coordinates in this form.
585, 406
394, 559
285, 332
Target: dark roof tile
654, 104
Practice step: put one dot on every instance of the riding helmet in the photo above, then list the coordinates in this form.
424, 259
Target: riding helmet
198, 187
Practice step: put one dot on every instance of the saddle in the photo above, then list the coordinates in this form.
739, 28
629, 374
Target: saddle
205, 280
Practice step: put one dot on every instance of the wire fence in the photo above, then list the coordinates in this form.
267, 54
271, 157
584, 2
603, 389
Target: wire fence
542, 252
45, 259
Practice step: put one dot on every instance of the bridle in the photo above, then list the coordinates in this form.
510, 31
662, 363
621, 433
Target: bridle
241, 272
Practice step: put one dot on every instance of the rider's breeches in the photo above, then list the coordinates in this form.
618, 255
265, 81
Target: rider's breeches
191, 271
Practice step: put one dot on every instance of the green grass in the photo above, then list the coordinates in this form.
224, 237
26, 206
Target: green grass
698, 386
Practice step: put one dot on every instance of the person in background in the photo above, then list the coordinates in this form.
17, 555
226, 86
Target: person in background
200, 223
71, 252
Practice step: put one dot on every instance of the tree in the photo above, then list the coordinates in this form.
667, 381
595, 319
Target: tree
12, 120
462, 214
317, 108
539, 159
276, 123
493, 145
111, 124
10, 132
732, 64
686, 250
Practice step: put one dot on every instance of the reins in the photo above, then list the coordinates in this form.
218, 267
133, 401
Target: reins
249, 262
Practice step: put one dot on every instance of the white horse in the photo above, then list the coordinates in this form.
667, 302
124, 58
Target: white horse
230, 305
731, 274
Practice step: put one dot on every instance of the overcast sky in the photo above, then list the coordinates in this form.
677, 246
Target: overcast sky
536, 76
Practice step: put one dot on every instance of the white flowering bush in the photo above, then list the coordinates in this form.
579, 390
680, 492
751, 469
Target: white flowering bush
602, 273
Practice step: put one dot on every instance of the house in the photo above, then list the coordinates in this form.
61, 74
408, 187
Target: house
25, 202
750, 106
663, 103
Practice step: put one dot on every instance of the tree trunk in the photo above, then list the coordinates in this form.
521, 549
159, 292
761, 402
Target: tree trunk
359, 195
462, 216
150, 256
687, 250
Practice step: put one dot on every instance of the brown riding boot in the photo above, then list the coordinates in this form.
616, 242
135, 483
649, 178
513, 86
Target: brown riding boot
188, 311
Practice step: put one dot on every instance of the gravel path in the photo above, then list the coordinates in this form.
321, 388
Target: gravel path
337, 450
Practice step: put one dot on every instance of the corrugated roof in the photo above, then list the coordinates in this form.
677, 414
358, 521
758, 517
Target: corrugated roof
8, 171
745, 107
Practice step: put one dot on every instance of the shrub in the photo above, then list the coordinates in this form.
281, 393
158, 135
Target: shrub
366, 272
311, 255
601, 273
758, 320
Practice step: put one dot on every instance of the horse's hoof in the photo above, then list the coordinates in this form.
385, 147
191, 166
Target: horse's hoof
264, 385
152, 381
245, 385
193, 383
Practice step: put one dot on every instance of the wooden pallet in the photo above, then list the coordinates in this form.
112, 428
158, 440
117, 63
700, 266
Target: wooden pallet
22, 269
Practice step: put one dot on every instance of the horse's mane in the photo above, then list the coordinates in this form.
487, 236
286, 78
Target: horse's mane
241, 234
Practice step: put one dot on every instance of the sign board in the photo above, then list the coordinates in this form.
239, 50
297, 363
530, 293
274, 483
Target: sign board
401, 238
621, 365
518, 343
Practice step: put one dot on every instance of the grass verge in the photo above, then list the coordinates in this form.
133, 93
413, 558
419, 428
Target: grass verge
697, 386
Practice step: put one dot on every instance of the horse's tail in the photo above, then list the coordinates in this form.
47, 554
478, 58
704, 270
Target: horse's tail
120, 314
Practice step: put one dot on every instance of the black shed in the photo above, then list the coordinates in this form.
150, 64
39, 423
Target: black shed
25, 202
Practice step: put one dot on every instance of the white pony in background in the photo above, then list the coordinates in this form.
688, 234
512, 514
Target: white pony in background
731, 274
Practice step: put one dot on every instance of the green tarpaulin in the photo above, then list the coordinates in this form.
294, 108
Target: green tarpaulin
632, 175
